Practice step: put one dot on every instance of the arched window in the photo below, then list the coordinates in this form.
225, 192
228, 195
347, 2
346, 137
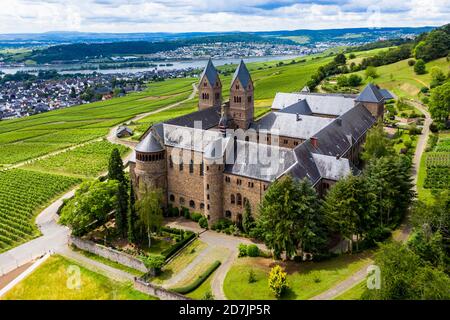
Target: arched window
227, 214
192, 204
172, 198
170, 162
181, 200
202, 168
239, 199
233, 199
181, 166
202, 205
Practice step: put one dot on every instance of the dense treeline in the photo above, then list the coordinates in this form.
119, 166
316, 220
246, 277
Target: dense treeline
434, 44
379, 44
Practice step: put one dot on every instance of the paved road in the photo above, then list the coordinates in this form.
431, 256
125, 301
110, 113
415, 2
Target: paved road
404, 229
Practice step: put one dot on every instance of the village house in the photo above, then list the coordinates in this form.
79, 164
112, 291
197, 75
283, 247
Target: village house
218, 158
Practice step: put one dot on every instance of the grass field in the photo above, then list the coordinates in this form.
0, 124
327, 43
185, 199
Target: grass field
52, 280
202, 290
306, 280
87, 161
22, 194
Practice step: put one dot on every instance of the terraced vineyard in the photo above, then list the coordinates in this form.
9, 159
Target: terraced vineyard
438, 165
87, 161
22, 194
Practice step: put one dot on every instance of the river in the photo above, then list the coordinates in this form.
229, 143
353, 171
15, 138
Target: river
175, 65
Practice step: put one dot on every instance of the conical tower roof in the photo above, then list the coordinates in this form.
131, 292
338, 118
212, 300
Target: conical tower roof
242, 74
210, 72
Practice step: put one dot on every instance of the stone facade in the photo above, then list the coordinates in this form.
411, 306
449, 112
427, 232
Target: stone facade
206, 183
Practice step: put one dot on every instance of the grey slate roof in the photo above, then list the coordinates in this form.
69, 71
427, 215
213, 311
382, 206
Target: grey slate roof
370, 93
300, 107
209, 118
210, 72
286, 125
242, 74
387, 95
326, 104
260, 161
149, 144
331, 168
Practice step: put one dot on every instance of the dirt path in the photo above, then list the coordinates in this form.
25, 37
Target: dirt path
402, 234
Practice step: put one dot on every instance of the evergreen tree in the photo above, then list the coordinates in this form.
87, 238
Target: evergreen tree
290, 217
116, 172
377, 144
248, 223
131, 218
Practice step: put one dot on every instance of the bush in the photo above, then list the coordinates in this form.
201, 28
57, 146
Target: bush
197, 282
242, 249
155, 262
185, 212
195, 216
203, 223
424, 90
169, 252
253, 250
208, 296
251, 276
411, 62
222, 224
419, 67
278, 281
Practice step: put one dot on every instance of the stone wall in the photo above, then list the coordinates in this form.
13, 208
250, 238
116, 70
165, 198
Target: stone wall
108, 253
156, 291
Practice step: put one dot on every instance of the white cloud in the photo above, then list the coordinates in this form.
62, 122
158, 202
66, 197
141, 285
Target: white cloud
205, 15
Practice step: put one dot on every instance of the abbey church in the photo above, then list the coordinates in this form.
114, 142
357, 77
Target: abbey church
218, 158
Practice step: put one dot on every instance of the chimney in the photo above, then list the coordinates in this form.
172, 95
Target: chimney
339, 121
338, 156
299, 118
314, 142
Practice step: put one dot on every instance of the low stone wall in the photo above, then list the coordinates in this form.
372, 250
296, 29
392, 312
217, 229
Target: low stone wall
156, 291
108, 253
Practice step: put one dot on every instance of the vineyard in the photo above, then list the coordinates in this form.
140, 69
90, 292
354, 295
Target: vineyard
89, 160
22, 194
438, 165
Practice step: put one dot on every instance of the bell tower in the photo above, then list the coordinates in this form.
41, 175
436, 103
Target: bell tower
209, 88
241, 107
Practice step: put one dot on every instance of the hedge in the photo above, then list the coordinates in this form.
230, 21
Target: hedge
169, 252
197, 282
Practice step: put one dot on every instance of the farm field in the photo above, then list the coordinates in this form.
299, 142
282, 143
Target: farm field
50, 282
87, 161
22, 194
305, 280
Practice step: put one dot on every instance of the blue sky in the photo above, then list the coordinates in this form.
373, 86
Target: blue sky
17, 16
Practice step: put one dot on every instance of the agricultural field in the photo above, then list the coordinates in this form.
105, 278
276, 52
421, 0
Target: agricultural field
22, 194
87, 161
50, 282
438, 165
26, 138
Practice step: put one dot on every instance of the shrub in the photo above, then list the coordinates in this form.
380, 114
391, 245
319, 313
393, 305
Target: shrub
203, 223
222, 224
195, 216
251, 276
242, 248
278, 281
253, 250
155, 262
197, 282
411, 62
169, 252
185, 212
419, 67
208, 296
424, 89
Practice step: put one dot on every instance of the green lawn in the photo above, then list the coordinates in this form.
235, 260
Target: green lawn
306, 280
200, 292
52, 280
354, 293
181, 261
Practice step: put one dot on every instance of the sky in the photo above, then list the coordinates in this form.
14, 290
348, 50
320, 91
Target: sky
32, 16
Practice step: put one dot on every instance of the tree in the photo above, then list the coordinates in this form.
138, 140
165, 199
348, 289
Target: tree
419, 67
342, 81
278, 281
150, 212
405, 276
116, 172
248, 223
435, 45
440, 102
349, 208
93, 201
340, 59
154, 262
354, 80
437, 77
371, 72
290, 218
131, 217
377, 144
